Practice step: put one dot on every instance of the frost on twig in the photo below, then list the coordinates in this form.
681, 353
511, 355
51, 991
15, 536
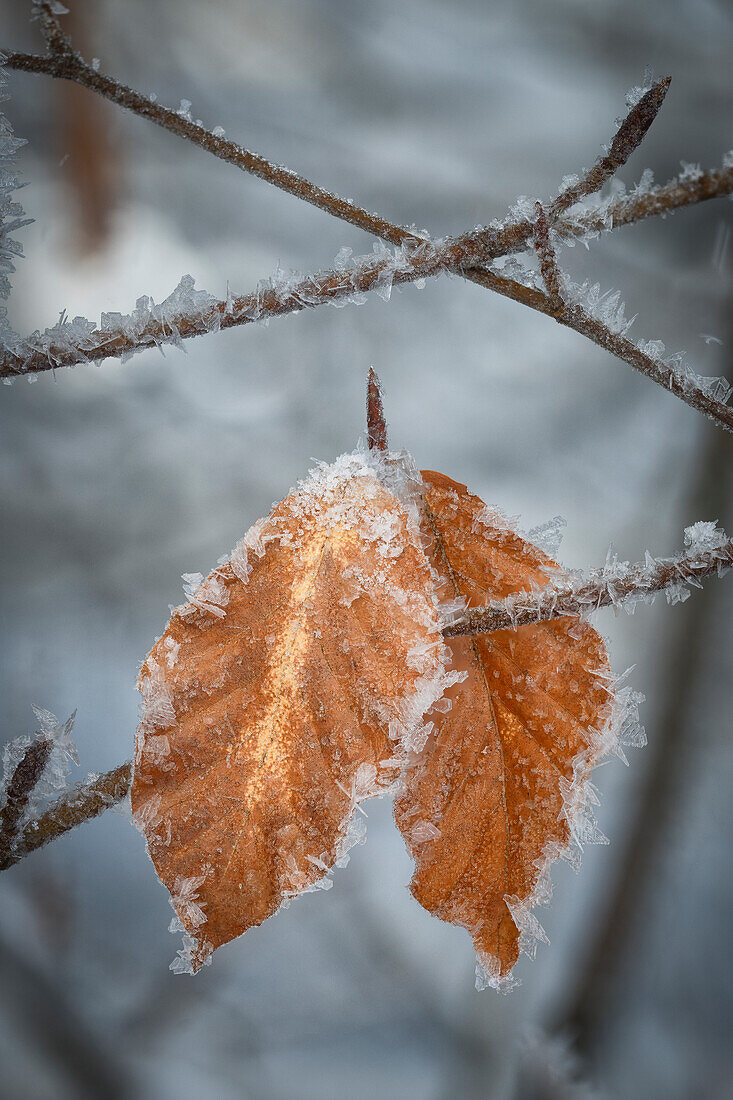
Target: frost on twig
627, 138
546, 255
188, 312
20, 785
708, 552
81, 804
34, 769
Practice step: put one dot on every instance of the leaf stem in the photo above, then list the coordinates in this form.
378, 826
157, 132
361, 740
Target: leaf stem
376, 424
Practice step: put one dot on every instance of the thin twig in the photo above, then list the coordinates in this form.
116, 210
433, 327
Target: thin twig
628, 137
486, 244
53, 34
546, 255
319, 288
665, 199
603, 588
456, 255
579, 597
80, 804
22, 783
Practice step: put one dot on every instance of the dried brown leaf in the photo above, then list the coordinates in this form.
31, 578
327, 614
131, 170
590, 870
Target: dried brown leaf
280, 698
491, 800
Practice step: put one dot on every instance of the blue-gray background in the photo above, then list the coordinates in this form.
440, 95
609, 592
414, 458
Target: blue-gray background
117, 479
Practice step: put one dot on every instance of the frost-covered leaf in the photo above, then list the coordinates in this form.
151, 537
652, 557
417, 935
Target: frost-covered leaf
280, 697
501, 788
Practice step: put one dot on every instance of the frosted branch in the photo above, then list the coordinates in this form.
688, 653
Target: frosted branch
708, 552
81, 804
546, 256
482, 245
24, 779
65, 63
627, 138
188, 313
707, 395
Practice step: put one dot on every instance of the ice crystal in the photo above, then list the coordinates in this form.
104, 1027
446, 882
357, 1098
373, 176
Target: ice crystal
548, 536
690, 172
716, 387
157, 323
605, 306
645, 184
634, 94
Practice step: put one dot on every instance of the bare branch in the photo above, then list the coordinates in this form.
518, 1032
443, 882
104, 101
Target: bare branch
22, 783
616, 585
628, 137
376, 424
79, 805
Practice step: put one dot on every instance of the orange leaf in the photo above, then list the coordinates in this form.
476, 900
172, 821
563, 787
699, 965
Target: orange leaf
494, 797
280, 697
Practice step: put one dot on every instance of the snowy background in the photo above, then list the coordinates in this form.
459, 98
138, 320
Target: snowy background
117, 479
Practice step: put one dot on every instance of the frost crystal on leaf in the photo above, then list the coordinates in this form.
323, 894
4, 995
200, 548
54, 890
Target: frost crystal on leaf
548, 536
